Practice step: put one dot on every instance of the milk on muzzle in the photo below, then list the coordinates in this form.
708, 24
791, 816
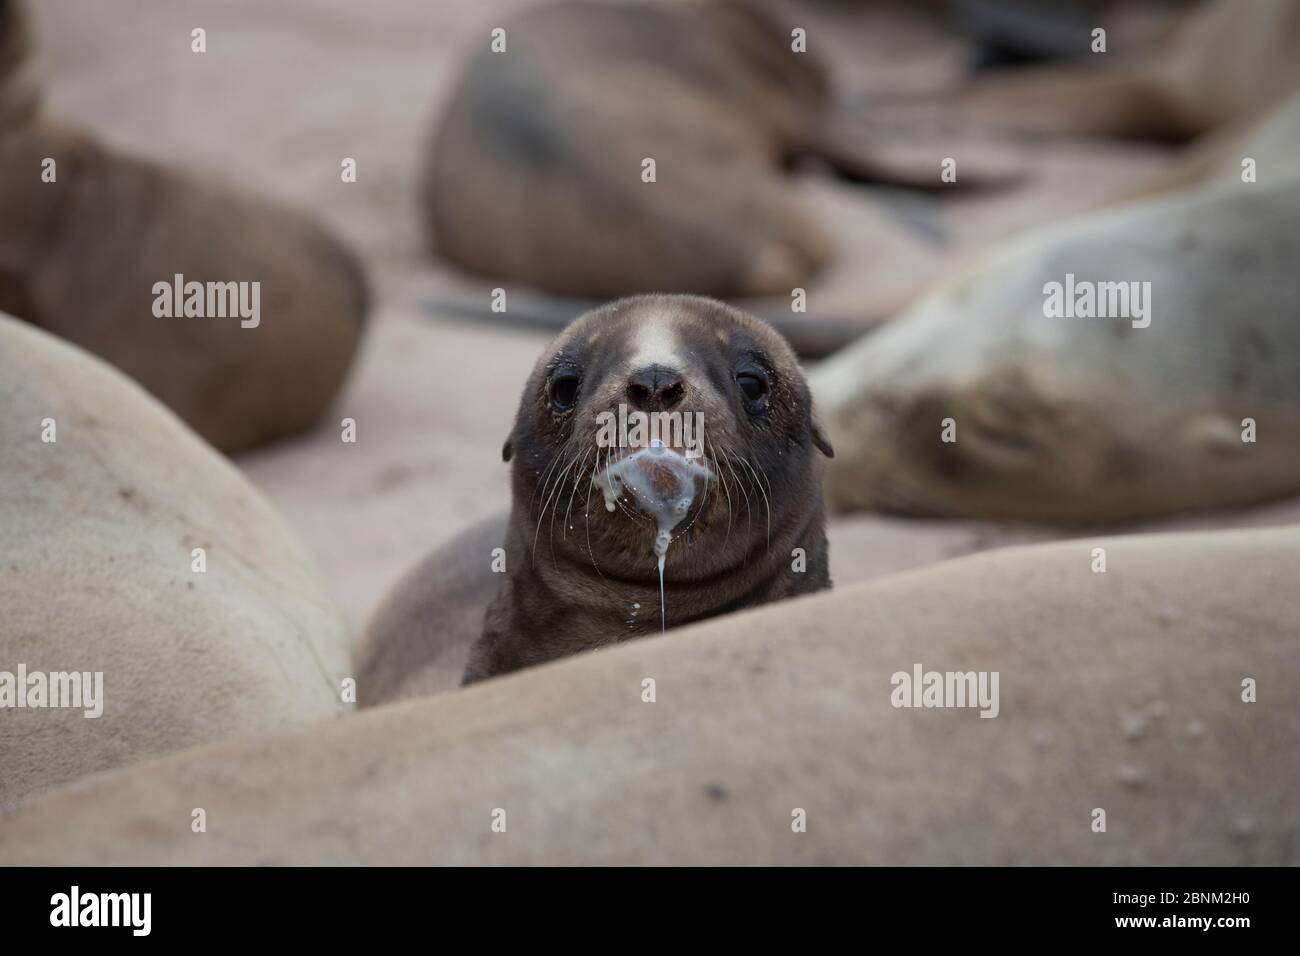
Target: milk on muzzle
663, 484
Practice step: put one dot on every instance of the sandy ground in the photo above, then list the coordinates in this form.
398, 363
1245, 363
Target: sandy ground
289, 88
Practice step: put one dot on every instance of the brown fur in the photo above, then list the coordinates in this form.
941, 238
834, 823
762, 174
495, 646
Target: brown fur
573, 571
535, 170
418, 641
576, 588
79, 257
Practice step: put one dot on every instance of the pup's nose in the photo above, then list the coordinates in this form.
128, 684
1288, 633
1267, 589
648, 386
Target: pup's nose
655, 388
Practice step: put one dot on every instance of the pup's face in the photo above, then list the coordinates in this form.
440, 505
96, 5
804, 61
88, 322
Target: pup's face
733, 413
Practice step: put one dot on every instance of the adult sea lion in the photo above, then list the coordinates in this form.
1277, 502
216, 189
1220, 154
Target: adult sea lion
264, 308
985, 399
611, 537
535, 172
1123, 692
131, 550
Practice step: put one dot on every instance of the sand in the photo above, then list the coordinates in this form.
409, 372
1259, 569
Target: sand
287, 90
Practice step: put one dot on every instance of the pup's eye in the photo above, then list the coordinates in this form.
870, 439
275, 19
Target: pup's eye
564, 391
753, 385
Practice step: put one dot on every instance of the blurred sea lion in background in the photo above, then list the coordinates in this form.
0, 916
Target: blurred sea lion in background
1271, 142
1015, 32
19, 88
1225, 60
80, 256
1089, 419
1118, 690
535, 169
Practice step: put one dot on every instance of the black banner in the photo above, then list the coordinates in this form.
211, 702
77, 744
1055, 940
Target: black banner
339, 905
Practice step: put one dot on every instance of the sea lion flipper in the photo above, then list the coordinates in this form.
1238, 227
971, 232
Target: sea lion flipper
860, 151
1078, 100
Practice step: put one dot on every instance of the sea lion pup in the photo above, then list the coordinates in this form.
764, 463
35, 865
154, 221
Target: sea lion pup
1223, 61
730, 499
417, 642
271, 306
535, 169
995, 397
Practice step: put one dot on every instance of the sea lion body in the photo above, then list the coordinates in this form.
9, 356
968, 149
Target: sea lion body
132, 550
1122, 691
1080, 419
1268, 142
83, 255
417, 642
535, 170
578, 572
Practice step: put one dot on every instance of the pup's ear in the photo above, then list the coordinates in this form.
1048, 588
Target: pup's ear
508, 449
819, 436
